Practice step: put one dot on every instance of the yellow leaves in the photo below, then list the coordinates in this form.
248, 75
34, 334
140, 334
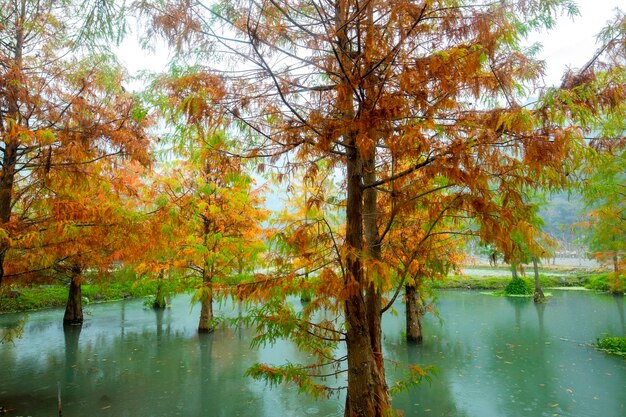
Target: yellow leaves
329, 284
519, 120
17, 133
379, 273
180, 263
365, 144
195, 108
194, 94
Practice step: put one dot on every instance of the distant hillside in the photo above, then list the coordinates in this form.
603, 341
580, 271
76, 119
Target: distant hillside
560, 214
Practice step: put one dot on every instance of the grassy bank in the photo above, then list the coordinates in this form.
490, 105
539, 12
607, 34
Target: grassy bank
19, 298
24, 298
498, 282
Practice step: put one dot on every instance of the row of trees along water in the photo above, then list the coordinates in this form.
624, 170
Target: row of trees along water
393, 131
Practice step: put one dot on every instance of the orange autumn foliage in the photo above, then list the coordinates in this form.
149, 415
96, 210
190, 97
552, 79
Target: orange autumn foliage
420, 108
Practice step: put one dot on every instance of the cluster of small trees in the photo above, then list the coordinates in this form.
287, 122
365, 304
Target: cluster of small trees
403, 128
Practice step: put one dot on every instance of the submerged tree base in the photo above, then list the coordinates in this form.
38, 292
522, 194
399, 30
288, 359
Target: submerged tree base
206, 330
539, 296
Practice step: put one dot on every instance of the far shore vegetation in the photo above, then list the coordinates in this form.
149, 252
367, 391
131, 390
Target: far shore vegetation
18, 297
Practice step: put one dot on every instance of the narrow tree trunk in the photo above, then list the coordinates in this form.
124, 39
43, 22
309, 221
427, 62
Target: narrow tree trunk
11, 144
159, 298
305, 295
538, 295
74, 307
514, 271
414, 312
206, 312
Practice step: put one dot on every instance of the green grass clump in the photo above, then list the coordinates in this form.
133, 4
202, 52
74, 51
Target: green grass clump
518, 286
613, 345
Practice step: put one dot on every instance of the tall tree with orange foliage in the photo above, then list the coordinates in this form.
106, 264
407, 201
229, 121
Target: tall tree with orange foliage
220, 207
394, 95
86, 221
59, 111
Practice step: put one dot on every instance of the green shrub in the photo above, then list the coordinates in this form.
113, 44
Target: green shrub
598, 282
614, 345
518, 286
610, 282
470, 282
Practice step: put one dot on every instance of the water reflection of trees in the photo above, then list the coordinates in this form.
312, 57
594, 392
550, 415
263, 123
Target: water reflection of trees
175, 372
619, 303
154, 365
127, 360
519, 365
437, 351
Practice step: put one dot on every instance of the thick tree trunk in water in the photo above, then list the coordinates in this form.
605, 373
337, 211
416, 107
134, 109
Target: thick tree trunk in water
373, 299
74, 307
538, 295
367, 394
206, 312
414, 313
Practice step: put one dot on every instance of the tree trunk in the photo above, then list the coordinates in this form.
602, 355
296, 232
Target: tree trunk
538, 295
11, 144
159, 299
414, 312
7, 178
74, 307
305, 295
206, 313
367, 394
373, 297
514, 271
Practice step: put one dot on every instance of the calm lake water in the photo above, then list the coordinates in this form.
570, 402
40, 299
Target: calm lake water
495, 357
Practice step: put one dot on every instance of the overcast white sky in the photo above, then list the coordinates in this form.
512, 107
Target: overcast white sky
571, 43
